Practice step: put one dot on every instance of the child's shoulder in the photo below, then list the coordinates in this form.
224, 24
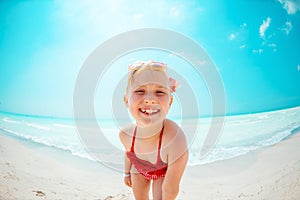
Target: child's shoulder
172, 129
171, 124
126, 134
174, 138
127, 130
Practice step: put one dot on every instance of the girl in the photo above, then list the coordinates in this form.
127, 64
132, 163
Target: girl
156, 149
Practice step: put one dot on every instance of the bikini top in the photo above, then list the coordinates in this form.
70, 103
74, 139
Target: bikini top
149, 170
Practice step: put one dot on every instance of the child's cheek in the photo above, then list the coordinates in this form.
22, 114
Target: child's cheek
164, 99
133, 99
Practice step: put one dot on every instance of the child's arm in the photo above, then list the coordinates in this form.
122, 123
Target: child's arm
127, 175
127, 163
177, 160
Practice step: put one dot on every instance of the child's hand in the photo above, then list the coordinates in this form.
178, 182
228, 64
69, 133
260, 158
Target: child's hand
127, 181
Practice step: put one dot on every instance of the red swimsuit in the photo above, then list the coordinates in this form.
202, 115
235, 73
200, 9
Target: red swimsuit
149, 170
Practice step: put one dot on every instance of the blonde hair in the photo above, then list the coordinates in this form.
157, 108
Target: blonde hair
141, 66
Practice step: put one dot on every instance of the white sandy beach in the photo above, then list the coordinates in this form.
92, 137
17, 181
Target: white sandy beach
42, 173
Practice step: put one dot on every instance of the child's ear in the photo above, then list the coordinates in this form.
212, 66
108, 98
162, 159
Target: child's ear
125, 100
171, 100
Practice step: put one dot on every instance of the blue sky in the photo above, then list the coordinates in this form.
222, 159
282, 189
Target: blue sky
254, 45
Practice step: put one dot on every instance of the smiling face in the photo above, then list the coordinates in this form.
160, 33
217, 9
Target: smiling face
148, 97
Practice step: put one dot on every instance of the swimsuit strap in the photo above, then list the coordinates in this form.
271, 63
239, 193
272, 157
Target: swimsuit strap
160, 138
159, 145
133, 140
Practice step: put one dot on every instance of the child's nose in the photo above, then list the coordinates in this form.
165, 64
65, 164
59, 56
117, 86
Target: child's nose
149, 101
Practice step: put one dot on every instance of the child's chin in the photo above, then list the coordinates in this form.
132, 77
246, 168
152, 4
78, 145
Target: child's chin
150, 121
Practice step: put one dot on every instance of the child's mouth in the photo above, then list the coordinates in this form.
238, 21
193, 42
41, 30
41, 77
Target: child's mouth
149, 111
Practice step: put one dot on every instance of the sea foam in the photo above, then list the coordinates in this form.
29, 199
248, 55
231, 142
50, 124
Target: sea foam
240, 135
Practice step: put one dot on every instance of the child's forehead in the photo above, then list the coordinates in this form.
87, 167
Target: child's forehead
152, 85
151, 77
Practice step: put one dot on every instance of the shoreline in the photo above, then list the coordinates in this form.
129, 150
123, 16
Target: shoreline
35, 172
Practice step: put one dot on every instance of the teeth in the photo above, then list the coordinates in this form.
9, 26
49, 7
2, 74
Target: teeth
149, 111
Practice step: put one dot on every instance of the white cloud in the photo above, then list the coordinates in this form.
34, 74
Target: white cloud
291, 6
287, 27
232, 36
264, 26
243, 46
257, 51
239, 34
243, 25
265, 38
298, 67
272, 45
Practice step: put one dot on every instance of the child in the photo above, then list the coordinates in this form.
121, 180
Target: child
156, 147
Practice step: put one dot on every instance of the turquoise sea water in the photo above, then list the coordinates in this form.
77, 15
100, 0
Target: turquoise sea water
241, 134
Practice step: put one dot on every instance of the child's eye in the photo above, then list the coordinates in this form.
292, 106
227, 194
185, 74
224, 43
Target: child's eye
140, 92
160, 92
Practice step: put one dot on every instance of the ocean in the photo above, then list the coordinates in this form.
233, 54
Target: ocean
240, 135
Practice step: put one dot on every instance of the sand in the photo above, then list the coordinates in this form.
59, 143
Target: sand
37, 172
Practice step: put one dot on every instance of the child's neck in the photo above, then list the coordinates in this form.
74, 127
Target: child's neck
149, 132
